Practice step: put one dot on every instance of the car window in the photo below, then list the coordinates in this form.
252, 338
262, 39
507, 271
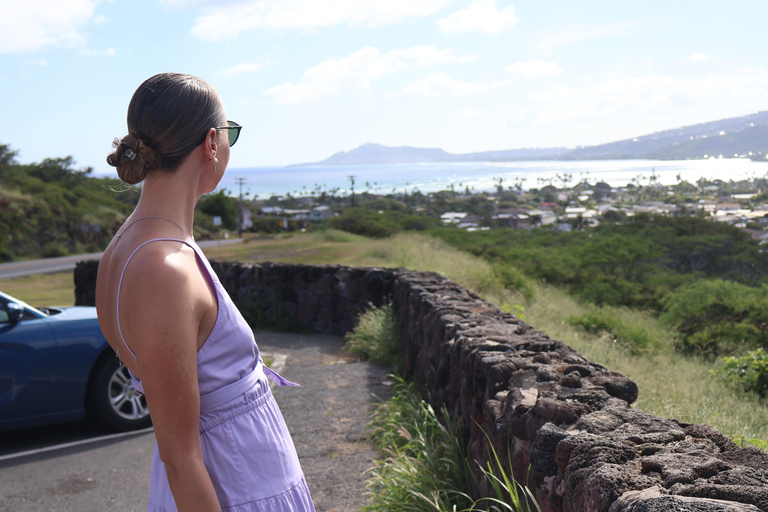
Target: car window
3, 313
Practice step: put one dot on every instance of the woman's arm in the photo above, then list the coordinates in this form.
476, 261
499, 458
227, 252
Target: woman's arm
164, 306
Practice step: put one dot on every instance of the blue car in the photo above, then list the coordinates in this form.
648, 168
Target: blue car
56, 366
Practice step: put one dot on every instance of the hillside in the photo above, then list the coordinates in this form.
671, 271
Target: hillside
736, 136
727, 137
368, 154
51, 208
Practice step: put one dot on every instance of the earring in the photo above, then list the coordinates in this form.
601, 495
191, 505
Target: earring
215, 161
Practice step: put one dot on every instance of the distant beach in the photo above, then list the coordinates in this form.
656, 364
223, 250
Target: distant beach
479, 176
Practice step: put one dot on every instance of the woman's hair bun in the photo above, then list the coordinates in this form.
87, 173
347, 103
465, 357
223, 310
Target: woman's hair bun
133, 159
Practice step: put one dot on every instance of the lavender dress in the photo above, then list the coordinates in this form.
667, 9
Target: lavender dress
247, 448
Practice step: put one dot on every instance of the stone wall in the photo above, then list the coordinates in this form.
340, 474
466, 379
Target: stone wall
548, 412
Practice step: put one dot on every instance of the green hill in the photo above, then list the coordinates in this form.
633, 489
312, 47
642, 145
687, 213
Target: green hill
53, 209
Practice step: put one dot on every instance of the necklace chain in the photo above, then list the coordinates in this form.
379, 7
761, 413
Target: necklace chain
154, 217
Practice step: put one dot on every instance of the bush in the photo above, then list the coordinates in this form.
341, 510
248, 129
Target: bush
377, 337
511, 279
750, 371
267, 225
718, 317
605, 320
363, 222
54, 250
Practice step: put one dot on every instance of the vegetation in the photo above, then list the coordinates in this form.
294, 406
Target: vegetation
750, 371
51, 208
425, 466
376, 337
702, 278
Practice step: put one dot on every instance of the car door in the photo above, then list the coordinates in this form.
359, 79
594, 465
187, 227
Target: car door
28, 367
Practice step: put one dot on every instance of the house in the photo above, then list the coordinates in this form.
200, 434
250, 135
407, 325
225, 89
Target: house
512, 218
246, 222
320, 214
452, 217
271, 210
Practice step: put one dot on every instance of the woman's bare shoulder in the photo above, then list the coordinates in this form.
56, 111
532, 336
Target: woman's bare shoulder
163, 266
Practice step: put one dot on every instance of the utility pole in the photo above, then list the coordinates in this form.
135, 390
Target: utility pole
352, 187
240, 215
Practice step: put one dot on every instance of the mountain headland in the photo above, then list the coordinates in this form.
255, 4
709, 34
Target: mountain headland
744, 137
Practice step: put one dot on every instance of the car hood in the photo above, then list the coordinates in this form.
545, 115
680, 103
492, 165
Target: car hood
73, 313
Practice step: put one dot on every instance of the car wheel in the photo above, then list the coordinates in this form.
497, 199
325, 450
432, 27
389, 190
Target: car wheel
114, 401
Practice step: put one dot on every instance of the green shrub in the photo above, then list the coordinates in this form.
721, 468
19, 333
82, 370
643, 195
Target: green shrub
363, 222
377, 337
267, 225
750, 371
606, 320
511, 279
54, 250
718, 317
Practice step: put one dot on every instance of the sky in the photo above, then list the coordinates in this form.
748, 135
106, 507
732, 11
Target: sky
308, 78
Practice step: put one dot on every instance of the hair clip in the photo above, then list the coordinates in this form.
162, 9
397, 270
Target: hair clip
116, 142
129, 154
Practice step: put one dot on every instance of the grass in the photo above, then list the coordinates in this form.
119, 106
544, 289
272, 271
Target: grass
671, 385
56, 289
424, 466
377, 337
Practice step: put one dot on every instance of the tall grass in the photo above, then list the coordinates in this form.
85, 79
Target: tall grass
424, 468
376, 337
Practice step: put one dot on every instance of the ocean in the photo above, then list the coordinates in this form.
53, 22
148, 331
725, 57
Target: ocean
264, 182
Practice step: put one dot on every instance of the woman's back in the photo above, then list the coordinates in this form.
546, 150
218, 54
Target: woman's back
119, 280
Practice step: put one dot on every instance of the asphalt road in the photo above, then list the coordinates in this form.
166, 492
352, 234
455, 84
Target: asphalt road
65, 263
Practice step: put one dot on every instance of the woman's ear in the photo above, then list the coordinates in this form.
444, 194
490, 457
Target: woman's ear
211, 144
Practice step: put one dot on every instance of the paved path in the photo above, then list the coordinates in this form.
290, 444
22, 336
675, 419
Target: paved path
326, 417
65, 263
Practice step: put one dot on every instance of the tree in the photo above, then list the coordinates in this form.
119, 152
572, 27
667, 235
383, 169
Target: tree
220, 204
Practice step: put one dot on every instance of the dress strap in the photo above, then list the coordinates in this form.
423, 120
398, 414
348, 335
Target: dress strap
120, 283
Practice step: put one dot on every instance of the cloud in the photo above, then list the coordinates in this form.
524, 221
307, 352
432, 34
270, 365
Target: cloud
32, 24
249, 67
235, 17
469, 113
441, 85
534, 68
645, 103
481, 16
109, 52
356, 71
700, 57
591, 33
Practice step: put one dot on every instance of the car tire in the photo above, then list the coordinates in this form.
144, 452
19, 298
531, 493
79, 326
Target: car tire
114, 403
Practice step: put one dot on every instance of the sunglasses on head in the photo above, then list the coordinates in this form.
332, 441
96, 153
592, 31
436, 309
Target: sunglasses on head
234, 131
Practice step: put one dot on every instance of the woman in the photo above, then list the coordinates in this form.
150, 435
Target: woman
222, 443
